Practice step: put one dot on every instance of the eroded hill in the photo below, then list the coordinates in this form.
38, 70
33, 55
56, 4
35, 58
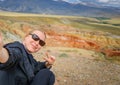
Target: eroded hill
99, 34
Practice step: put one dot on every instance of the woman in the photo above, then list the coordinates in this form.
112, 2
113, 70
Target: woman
17, 65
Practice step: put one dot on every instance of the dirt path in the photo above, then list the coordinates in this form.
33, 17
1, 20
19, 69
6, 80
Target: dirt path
82, 67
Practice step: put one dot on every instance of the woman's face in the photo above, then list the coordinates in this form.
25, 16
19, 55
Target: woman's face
34, 41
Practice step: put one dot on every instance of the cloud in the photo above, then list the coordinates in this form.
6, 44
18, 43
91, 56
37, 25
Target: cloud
109, 1
72, 1
104, 1
65, 0
115, 3
2, 0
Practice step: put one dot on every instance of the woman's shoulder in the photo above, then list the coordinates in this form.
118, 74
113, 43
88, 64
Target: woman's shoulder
13, 44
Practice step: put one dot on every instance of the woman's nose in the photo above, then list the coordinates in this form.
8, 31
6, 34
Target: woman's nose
37, 42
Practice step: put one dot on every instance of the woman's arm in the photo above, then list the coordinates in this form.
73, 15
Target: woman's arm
3, 52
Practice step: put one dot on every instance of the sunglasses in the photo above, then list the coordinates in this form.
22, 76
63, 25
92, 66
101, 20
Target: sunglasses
36, 38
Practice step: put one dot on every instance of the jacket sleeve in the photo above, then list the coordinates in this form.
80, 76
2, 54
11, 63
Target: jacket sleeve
38, 66
14, 56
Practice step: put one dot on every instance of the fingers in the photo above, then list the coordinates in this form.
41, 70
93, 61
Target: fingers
46, 59
47, 54
50, 59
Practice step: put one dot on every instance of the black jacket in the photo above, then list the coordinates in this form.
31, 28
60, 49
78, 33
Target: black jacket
20, 68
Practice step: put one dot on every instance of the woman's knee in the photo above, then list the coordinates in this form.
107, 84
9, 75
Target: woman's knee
44, 77
45, 72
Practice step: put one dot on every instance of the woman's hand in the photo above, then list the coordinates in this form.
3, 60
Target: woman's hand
49, 60
3, 52
1, 43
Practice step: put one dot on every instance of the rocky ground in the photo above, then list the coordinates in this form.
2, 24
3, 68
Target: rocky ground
82, 67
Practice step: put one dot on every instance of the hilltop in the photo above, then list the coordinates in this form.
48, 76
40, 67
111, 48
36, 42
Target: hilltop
59, 7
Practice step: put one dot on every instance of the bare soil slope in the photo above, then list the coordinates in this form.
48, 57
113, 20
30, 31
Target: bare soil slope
82, 67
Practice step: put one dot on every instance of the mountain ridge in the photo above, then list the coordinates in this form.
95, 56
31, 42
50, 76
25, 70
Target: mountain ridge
57, 8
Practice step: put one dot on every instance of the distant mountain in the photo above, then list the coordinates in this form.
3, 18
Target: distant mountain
113, 3
58, 8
